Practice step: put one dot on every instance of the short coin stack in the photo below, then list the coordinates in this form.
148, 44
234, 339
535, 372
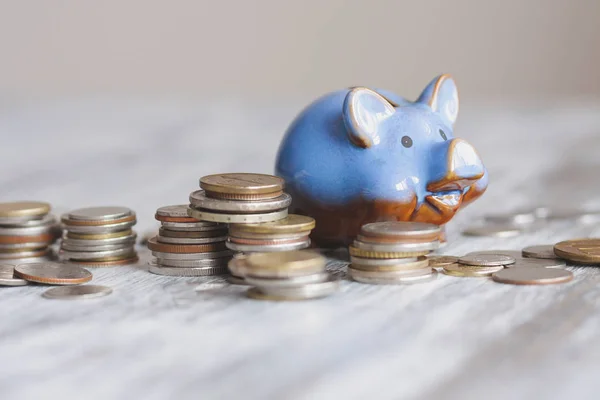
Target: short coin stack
478, 265
99, 237
26, 231
393, 252
188, 247
290, 233
288, 275
239, 198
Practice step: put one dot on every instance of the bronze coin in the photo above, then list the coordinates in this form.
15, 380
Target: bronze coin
355, 251
154, 245
243, 197
111, 263
242, 183
580, 251
192, 234
53, 273
532, 276
68, 221
396, 239
45, 238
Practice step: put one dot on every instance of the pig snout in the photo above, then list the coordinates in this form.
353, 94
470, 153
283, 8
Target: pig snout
457, 167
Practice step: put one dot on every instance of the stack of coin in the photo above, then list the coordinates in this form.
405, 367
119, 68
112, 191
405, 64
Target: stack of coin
393, 252
239, 199
99, 236
290, 233
185, 246
288, 275
26, 232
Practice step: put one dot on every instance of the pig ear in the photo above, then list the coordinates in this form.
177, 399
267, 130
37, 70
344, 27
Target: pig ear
442, 96
363, 112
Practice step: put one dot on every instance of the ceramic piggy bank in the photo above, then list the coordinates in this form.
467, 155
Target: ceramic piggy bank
362, 155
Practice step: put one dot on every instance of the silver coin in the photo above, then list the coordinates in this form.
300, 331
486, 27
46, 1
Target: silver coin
207, 262
533, 276
237, 218
172, 240
53, 273
99, 213
27, 222
487, 260
379, 262
92, 255
109, 228
393, 228
101, 242
236, 280
200, 226
267, 248
199, 200
7, 276
389, 274
511, 253
77, 292
265, 283
493, 230
396, 281
541, 251
177, 211
397, 247
106, 247
29, 245
194, 271
538, 262
304, 292
28, 231
24, 254
192, 256
521, 217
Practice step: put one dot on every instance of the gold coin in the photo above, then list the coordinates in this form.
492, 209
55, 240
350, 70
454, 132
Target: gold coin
354, 251
284, 263
580, 251
422, 262
440, 261
470, 271
533, 276
293, 223
99, 236
24, 209
242, 183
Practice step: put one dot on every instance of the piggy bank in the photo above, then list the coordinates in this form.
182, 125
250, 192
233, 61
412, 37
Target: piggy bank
363, 155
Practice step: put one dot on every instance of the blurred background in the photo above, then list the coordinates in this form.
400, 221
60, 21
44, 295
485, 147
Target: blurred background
509, 50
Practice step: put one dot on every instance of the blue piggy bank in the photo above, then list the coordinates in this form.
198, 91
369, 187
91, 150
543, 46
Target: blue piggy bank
363, 155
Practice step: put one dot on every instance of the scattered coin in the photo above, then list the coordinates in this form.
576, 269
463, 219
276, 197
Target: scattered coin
580, 251
532, 276
440, 261
538, 262
53, 274
77, 292
463, 270
7, 276
487, 260
541, 251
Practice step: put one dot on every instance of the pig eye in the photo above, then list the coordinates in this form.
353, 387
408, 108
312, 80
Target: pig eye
406, 141
443, 135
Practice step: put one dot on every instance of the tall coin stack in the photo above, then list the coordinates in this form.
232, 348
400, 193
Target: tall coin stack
26, 232
239, 198
99, 236
393, 252
288, 275
188, 247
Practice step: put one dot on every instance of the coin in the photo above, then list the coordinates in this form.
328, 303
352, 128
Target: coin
397, 247
192, 234
396, 281
440, 261
401, 230
304, 292
205, 262
46, 238
269, 242
284, 264
200, 226
463, 270
70, 247
242, 183
486, 260
24, 209
541, 251
72, 222
243, 197
177, 213
236, 280
100, 229
511, 253
105, 263
268, 248
580, 251
154, 245
53, 274
120, 252
100, 236
376, 262
104, 214
16, 247
538, 262
171, 240
129, 239
191, 256
237, 218
285, 282
421, 262
25, 254
198, 199
191, 271
493, 230
291, 224
28, 222
7, 276
356, 252
77, 292
532, 276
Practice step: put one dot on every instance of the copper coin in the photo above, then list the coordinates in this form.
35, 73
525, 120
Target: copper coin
192, 234
243, 197
47, 237
68, 222
242, 183
541, 251
53, 274
154, 245
532, 276
111, 263
581, 251
262, 242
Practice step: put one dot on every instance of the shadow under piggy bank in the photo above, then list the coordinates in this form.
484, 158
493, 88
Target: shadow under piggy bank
363, 155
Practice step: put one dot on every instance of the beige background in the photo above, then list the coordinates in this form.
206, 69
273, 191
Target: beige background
510, 49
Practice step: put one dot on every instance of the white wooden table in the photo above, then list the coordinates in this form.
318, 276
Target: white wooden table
185, 338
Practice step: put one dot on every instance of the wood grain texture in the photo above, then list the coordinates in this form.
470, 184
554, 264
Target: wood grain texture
200, 338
